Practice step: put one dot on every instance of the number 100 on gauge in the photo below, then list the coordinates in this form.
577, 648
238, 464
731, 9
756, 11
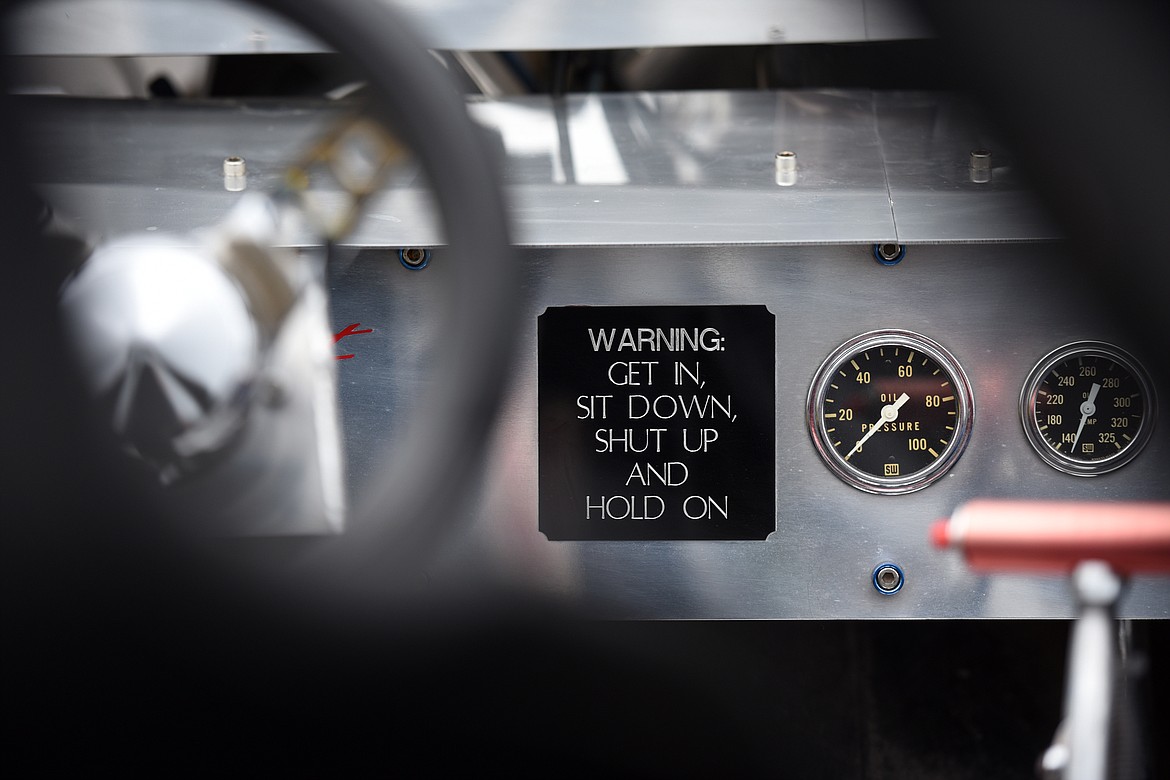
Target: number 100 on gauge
890, 411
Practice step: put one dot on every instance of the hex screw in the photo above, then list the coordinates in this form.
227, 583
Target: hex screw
415, 258
888, 578
889, 253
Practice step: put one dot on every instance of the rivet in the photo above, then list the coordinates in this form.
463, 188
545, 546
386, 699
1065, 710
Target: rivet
786, 168
980, 166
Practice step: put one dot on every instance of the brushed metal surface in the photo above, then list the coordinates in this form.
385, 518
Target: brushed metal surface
926, 142
164, 27
589, 170
127, 28
980, 301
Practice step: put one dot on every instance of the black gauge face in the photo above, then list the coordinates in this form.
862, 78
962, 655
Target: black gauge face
890, 411
1087, 408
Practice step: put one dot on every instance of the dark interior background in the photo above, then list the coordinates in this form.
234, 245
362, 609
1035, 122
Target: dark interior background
123, 655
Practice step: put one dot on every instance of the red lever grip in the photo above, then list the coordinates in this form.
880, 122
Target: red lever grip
1047, 536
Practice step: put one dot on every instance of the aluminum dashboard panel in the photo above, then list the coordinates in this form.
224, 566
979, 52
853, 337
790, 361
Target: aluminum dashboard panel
976, 300
670, 200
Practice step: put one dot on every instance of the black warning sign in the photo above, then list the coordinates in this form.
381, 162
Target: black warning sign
657, 422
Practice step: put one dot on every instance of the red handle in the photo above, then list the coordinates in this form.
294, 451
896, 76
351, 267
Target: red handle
1046, 536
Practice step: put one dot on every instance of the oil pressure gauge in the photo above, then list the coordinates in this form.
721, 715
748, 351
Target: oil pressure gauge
1087, 408
890, 411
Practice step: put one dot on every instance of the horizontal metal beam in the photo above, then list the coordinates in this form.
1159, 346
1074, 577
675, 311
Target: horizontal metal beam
170, 27
689, 168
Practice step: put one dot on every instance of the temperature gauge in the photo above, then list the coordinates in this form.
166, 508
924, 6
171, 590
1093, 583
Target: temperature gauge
1087, 408
890, 411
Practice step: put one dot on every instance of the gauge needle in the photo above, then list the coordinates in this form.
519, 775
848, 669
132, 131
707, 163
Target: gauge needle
889, 414
1088, 409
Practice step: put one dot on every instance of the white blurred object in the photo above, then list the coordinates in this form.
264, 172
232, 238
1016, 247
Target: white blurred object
212, 359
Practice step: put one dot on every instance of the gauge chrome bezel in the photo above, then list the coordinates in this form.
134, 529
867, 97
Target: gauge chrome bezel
908, 483
1076, 466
